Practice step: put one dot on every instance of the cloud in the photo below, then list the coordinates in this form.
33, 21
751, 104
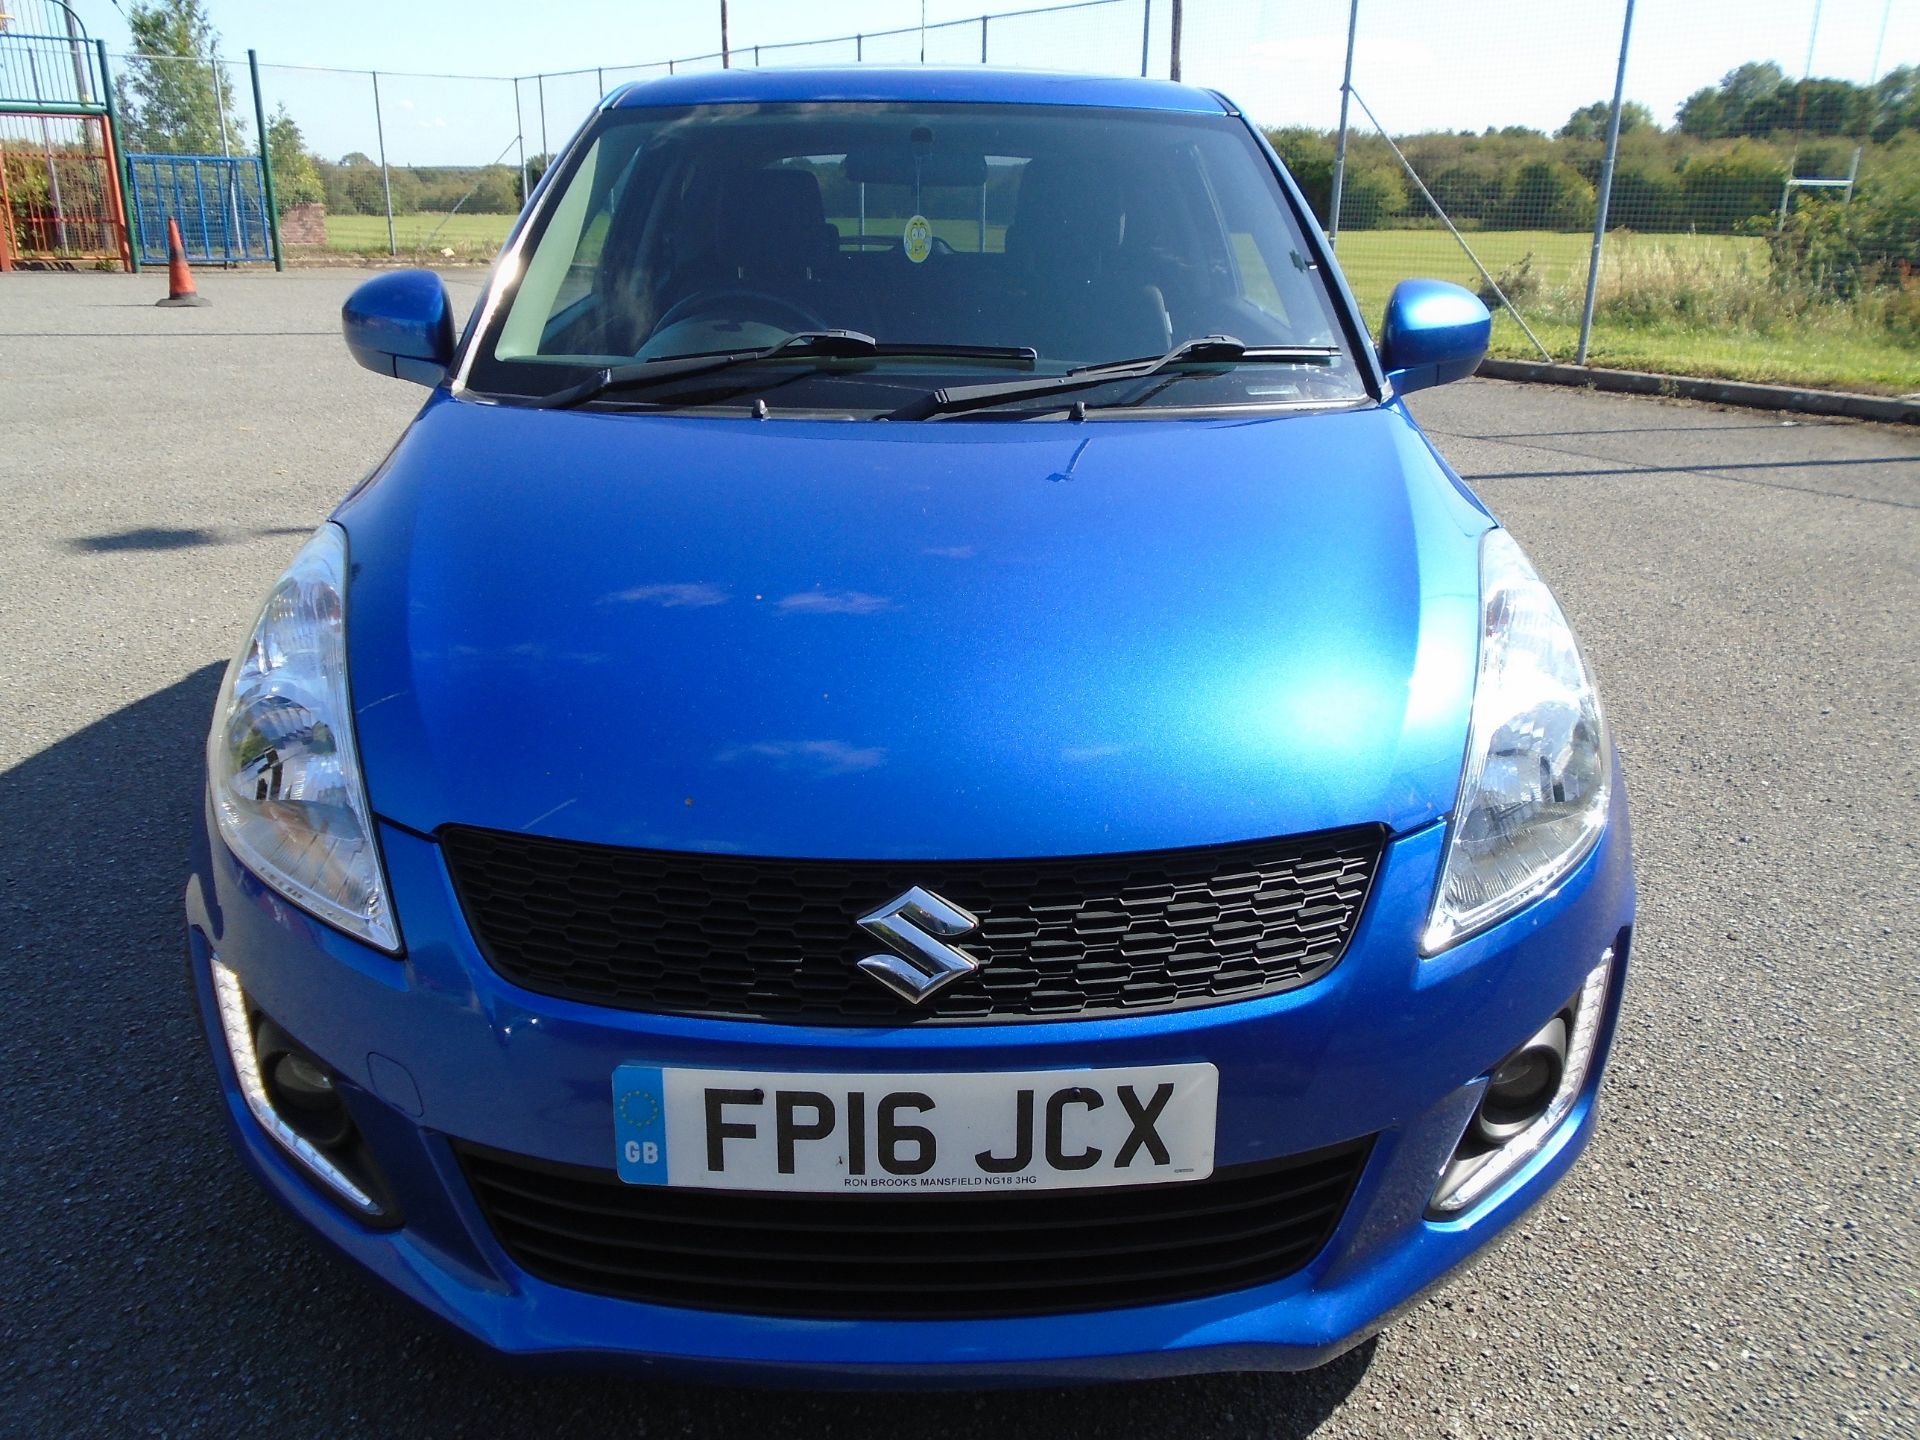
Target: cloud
679, 596
834, 602
822, 757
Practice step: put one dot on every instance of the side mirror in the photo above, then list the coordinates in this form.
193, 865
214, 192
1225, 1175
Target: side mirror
401, 325
1434, 332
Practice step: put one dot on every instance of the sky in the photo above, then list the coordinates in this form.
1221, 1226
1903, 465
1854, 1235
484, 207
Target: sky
1419, 64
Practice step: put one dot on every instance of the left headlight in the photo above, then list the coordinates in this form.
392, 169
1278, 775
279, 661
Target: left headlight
282, 769
1539, 767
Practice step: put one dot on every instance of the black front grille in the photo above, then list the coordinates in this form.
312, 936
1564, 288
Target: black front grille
680, 933
914, 1257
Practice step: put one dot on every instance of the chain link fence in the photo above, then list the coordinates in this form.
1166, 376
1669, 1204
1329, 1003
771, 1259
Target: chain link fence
1761, 207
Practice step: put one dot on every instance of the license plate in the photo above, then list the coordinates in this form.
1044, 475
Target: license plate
994, 1130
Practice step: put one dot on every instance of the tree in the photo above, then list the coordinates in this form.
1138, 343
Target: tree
1548, 195
173, 98
296, 179
1704, 115
1590, 122
1747, 84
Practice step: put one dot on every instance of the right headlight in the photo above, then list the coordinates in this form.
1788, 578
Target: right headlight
1533, 794
282, 769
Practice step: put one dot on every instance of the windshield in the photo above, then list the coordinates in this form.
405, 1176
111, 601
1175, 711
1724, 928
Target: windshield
971, 242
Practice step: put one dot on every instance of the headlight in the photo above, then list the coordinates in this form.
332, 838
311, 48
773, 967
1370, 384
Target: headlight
281, 765
1533, 795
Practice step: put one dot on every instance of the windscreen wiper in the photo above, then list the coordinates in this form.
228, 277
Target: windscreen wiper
954, 399
805, 344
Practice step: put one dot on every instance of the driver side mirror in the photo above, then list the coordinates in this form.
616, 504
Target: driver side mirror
1434, 332
401, 325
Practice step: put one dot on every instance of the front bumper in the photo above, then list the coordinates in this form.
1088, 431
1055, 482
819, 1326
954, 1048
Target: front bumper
437, 1048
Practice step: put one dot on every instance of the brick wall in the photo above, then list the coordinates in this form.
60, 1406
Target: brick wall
303, 225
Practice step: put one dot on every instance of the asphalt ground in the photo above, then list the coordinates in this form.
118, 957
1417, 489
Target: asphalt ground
1735, 1257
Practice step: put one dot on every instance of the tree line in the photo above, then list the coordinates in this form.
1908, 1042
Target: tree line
1721, 168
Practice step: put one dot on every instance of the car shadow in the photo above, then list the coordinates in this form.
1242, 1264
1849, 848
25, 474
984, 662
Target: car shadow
153, 1287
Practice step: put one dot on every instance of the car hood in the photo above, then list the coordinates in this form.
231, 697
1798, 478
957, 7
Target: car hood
941, 639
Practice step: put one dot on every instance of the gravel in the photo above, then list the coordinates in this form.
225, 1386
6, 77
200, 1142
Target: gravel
1737, 1255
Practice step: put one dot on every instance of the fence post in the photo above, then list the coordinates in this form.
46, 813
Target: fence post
123, 172
1606, 191
266, 161
1146, 34
386, 181
540, 94
520, 138
1173, 60
1340, 146
983, 39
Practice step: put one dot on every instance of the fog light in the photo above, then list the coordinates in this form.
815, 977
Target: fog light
248, 1054
1527, 1096
301, 1089
1523, 1084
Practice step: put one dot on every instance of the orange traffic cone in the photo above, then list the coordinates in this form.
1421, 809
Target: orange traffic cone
180, 289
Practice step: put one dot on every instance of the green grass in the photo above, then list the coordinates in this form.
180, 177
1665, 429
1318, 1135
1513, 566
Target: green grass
1673, 304
470, 237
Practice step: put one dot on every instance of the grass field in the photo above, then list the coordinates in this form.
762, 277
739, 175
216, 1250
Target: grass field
1835, 348
1673, 304
470, 237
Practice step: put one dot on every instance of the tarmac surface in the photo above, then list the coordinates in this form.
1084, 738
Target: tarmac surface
1736, 1256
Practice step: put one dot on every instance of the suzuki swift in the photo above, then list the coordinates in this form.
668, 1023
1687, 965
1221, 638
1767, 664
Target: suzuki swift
913, 772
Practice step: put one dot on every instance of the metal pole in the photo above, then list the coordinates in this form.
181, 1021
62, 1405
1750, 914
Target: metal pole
1146, 34
726, 51
75, 42
520, 138
266, 161
1606, 190
123, 173
540, 92
1173, 61
220, 104
1340, 146
386, 180
600, 79
859, 48
983, 39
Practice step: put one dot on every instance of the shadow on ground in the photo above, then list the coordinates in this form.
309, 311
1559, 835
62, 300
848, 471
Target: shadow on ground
152, 1288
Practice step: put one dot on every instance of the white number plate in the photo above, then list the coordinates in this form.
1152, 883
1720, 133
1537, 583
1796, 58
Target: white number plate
997, 1130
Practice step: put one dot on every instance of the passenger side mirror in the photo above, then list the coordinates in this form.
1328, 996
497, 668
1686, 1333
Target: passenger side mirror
1434, 332
401, 325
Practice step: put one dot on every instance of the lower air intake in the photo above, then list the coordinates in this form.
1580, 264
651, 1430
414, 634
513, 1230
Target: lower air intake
915, 1257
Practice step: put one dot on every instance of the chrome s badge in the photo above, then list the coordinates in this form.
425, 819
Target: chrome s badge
916, 924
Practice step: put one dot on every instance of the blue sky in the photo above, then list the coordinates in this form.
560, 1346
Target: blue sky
1421, 64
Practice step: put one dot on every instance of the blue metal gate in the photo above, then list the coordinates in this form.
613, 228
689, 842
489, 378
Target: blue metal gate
219, 201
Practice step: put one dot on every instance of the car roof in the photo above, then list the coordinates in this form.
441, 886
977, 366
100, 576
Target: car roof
977, 84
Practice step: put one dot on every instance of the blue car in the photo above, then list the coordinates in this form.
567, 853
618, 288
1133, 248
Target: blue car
913, 773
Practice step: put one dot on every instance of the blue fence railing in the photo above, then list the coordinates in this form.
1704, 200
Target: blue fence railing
219, 200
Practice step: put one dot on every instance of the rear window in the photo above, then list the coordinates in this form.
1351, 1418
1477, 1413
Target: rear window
1084, 235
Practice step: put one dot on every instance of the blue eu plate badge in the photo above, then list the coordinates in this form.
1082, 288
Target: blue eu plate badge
640, 1124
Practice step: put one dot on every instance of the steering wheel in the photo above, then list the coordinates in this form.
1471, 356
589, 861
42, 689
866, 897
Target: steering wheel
705, 302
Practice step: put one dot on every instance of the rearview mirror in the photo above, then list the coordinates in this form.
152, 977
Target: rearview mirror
401, 325
1434, 332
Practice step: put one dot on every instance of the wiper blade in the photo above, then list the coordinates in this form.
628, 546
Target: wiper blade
954, 399
804, 344
648, 372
